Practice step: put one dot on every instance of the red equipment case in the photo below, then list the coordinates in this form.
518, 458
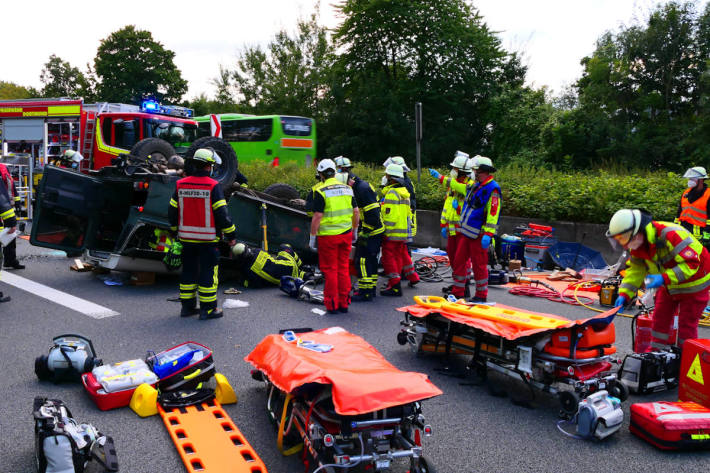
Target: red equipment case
102, 399
671, 425
695, 372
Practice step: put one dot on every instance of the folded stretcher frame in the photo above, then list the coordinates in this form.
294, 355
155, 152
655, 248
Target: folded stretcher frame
543, 356
344, 414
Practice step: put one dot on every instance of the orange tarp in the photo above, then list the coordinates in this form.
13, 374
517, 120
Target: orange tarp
362, 379
500, 329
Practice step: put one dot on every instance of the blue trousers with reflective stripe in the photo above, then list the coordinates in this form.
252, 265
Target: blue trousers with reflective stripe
199, 266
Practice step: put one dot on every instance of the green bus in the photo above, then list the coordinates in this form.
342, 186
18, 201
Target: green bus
272, 138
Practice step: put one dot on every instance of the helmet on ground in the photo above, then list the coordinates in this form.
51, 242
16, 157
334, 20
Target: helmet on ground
176, 162
342, 177
397, 160
483, 163
698, 172
325, 165
239, 249
287, 248
461, 161
624, 225
343, 162
395, 170
207, 156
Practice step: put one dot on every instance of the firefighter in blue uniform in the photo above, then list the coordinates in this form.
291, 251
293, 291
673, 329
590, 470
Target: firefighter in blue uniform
198, 212
262, 269
369, 239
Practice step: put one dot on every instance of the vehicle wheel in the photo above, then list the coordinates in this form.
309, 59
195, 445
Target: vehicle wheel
41, 368
157, 149
619, 390
421, 465
282, 191
224, 173
402, 338
569, 401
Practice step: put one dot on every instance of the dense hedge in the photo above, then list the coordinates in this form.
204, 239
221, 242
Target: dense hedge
591, 196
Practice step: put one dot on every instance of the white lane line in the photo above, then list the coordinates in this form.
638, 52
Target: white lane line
62, 298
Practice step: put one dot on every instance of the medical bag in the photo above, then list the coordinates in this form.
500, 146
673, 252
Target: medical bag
183, 367
650, 372
62, 445
695, 372
671, 425
112, 386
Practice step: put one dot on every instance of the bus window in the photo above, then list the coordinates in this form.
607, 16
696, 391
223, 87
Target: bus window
296, 126
258, 129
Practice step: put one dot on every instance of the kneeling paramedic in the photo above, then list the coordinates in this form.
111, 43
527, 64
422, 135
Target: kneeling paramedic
263, 268
397, 218
670, 259
335, 215
369, 235
198, 212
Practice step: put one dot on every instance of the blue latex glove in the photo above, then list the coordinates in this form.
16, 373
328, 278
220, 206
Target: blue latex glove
653, 281
312, 243
485, 241
455, 204
620, 302
445, 232
434, 173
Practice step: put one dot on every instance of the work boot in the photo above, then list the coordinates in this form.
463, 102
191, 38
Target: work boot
4, 298
392, 291
363, 295
210, 313
189, 309
15, 265
343, 310
479, 300
447, 289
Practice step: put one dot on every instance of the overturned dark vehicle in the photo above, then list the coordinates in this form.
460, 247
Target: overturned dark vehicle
112, 215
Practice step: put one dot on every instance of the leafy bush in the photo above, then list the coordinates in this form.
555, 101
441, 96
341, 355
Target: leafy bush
591, 196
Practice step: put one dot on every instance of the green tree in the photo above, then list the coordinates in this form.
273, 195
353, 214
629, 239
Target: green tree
12, 91
60, 79
130, 64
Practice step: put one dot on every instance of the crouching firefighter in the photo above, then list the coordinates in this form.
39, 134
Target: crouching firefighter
198, 212
670, 259
265, 269
368, 236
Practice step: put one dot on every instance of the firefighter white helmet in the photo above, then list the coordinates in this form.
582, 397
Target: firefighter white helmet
697, 172
396, 160
461, 161
325, 165
343, 162
395, 170
207, 156
238, 249
483, 163
73, 156
623, 226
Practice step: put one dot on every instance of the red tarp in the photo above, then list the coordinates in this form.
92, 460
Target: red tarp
504, 330
362, 380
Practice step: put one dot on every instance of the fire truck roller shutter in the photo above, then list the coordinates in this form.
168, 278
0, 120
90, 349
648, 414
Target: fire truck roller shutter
158, 150
224, 173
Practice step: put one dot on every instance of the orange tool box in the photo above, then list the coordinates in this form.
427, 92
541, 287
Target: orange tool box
694, 384
208, 441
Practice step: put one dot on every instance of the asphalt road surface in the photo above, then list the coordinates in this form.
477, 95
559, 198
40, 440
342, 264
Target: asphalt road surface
473, 430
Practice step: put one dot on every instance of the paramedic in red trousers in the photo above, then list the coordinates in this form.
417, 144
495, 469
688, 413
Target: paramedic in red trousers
9, 251
198, 212
333, 229
693, 207
456, 184
664, 256
7, 215
397, 218
478, 224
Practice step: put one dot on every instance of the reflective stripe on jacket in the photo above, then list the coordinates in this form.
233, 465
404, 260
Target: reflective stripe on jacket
397, 213
695, 213
481, 209
196, 220
450, 215
370, 215
338, 214
672, 252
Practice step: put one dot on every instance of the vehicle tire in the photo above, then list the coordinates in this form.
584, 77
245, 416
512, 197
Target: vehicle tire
421, 465
224, 173
282, 191
402, 338
569, 401
156, 148
619, 390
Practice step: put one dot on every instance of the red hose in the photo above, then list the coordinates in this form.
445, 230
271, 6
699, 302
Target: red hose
548, 294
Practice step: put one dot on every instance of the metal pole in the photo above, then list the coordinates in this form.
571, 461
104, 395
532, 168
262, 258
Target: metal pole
418, 129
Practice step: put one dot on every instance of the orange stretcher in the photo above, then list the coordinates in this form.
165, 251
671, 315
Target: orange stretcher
544, 351
208, 441
345, 405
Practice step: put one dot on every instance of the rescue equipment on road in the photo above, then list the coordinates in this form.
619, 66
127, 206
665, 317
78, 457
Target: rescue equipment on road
695, 372
70, 356
112, 386
182, 367
672, 425
598, 416
348, 407
650, 372
544, 351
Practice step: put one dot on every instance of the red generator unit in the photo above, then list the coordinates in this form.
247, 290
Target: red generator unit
672, 425
694, 384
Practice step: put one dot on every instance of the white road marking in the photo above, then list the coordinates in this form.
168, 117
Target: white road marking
62, 298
